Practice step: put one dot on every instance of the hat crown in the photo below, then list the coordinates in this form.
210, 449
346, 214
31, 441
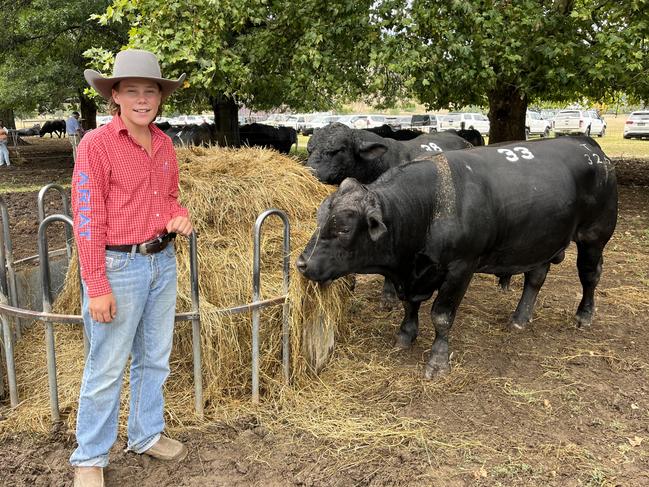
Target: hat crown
135, 63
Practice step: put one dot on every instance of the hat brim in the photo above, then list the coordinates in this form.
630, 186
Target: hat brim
104, 85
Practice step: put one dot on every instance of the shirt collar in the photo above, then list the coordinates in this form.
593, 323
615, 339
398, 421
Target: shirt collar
117, 124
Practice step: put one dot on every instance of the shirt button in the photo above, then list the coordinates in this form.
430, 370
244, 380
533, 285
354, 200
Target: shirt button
157, 214
155, 192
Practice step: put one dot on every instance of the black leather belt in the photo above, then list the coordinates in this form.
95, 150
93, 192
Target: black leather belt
152, 246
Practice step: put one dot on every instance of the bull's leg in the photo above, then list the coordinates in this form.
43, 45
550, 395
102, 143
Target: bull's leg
503, 281
443, 313
409, 326
534, 279
589, 265
389, 297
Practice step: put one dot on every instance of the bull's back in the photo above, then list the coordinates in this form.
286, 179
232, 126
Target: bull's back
534, 198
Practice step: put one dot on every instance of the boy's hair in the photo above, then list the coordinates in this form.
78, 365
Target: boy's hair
76, 113
113, 108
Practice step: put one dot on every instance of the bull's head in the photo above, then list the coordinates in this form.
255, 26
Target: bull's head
337, 152
350, 237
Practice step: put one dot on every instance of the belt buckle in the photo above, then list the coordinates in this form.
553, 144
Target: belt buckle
141, 248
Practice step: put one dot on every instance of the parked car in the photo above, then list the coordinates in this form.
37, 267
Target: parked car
103, 119
369, 121
468, 120
187, 120
637, 125
274, 119
535, 124
426, 123
318, 122
549, 114
297, 122
402, 122
579, 122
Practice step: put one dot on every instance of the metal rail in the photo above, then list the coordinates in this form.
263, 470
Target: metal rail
256, 295
50, 318
8, 277
66, 211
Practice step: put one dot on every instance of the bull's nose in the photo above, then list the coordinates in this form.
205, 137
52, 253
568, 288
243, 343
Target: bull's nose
300, 263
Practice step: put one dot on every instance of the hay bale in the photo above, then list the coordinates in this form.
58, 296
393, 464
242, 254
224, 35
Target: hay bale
225, 190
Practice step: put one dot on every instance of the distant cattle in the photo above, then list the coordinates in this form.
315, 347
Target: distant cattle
192, 134
53, 127
388, 132
471, 135
278, 138
34, 130
337, 152
164, 126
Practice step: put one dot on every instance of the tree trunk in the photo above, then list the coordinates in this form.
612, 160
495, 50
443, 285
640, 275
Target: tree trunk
226, 119
507, 108
7, 117
88, 109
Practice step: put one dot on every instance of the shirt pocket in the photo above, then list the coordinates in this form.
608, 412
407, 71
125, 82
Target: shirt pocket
117, 261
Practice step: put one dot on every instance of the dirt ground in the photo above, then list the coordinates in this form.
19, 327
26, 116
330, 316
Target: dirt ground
551, 405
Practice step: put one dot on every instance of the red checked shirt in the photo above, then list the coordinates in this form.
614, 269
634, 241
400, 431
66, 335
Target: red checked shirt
120, 195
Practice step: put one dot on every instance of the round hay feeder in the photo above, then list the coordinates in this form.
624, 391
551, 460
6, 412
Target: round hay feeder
225, 190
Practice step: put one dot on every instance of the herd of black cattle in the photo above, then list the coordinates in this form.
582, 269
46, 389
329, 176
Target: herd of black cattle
278, 138
427, 211
430, 212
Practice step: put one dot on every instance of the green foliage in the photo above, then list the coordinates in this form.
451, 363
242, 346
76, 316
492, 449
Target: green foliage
455, 53
42, 64
303, 55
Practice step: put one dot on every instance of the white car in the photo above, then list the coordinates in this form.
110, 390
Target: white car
103, 119
579, 122
187, 120
468, 120
637, 125
297, 122
364, 121
318, 122
423, 123
535, 124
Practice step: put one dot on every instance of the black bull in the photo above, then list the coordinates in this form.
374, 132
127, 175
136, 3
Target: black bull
337, 152
430, 224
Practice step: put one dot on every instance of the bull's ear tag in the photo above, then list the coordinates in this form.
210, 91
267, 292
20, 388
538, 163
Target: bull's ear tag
375, 225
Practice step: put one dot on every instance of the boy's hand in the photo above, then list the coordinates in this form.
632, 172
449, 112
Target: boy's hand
180, 224
103, 308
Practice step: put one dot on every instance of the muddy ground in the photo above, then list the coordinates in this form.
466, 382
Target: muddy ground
551, 405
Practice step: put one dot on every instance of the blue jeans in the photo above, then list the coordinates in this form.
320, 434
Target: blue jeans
4, 154
144, 287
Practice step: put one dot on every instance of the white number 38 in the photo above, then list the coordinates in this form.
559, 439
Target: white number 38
511, 155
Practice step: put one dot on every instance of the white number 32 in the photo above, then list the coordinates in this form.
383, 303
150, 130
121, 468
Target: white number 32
511, 155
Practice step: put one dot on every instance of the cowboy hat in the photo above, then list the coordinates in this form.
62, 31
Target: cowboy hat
132, 63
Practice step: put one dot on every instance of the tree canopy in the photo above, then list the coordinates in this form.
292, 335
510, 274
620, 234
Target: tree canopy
504, 54
312, 55
43, 54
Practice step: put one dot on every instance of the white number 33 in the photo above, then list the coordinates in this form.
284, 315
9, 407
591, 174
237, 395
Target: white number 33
511, 155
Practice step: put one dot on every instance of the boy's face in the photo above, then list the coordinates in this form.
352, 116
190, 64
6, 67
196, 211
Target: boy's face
139, 100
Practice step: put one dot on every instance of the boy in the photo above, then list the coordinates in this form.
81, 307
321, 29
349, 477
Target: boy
126, 214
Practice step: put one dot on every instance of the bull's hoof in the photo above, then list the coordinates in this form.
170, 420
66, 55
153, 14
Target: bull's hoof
584, 320
517, 325
403, 341
436, 369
